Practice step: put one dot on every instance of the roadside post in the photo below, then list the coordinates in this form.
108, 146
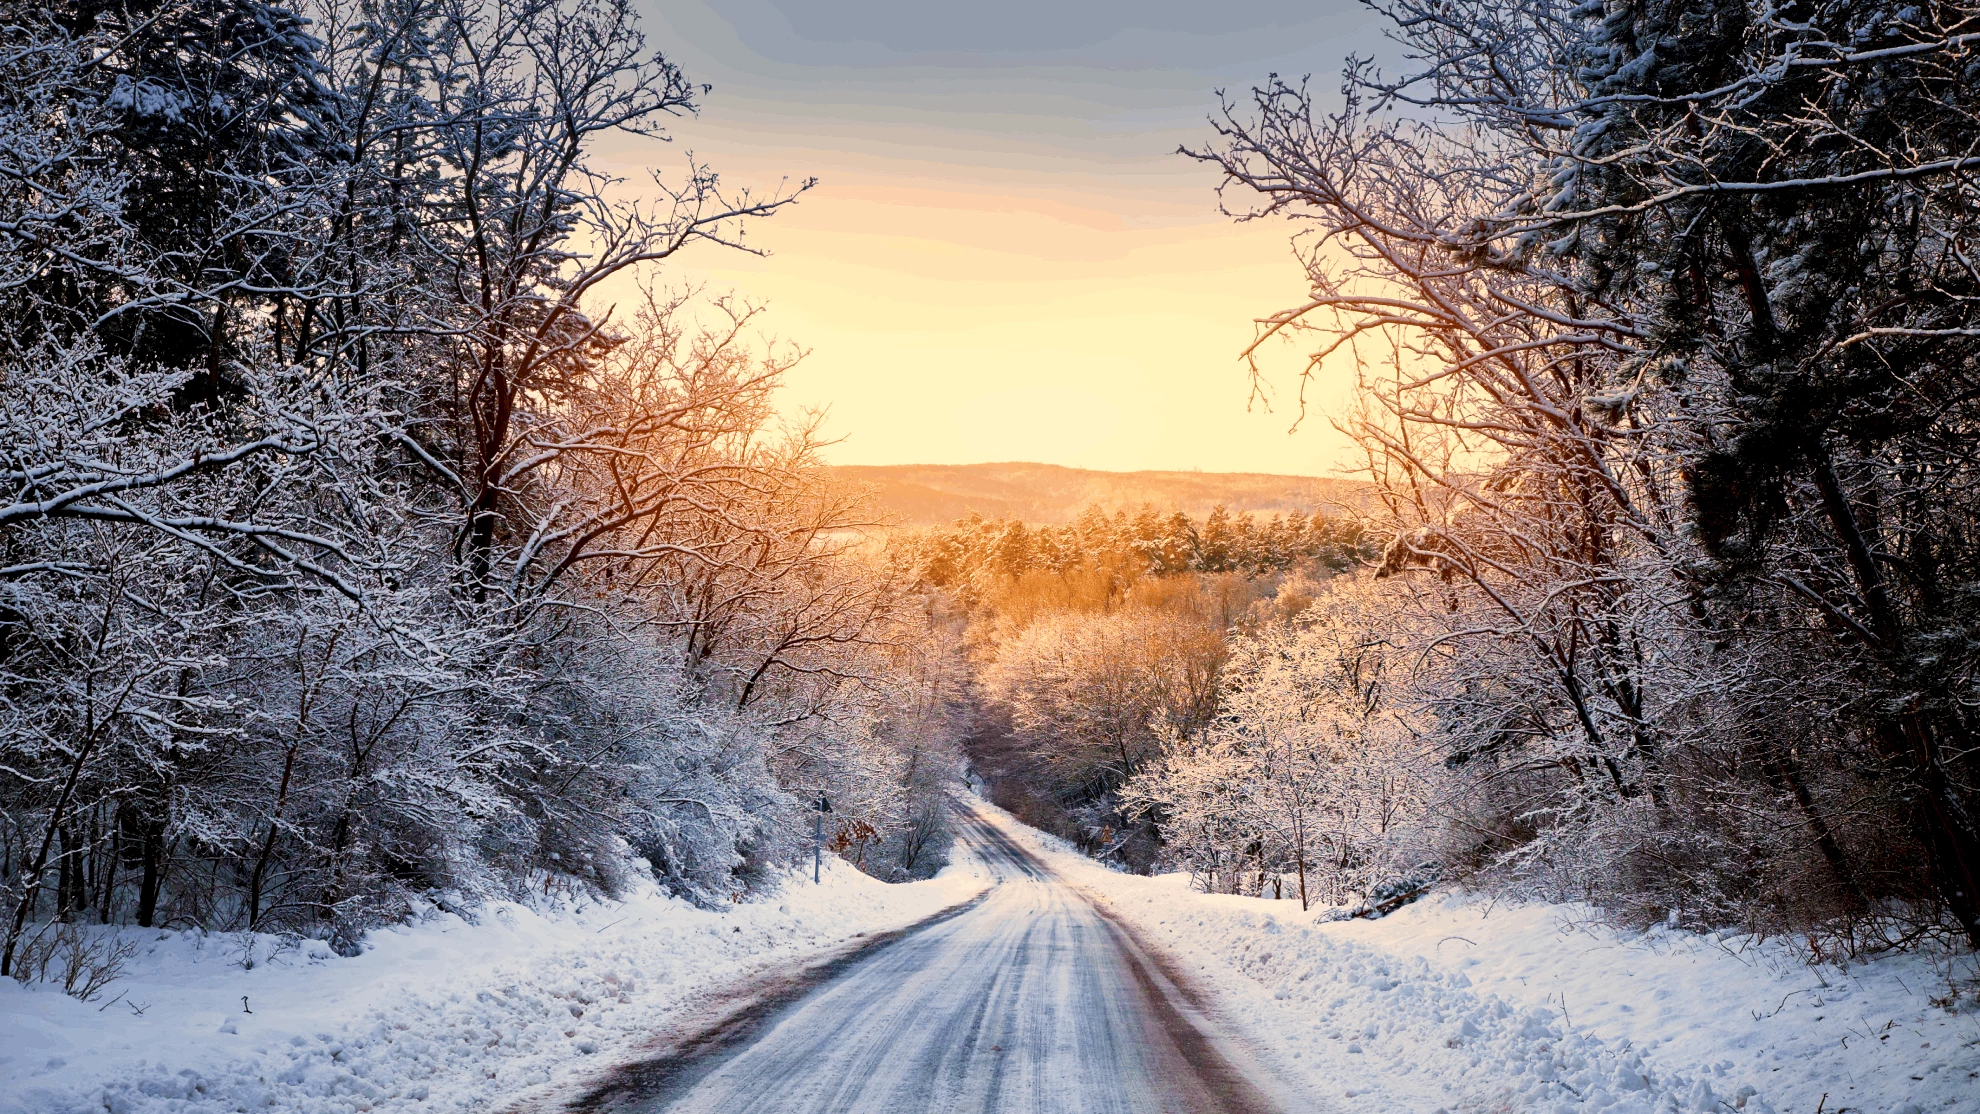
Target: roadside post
821, 806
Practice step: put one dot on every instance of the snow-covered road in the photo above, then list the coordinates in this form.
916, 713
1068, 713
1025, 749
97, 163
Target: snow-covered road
1031, 1001
1026, 977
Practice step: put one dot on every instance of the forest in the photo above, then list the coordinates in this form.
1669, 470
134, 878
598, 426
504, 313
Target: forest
1096, 646
1662, 323
379, 523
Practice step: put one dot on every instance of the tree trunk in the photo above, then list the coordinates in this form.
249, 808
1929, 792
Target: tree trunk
151, 881
1940, 818
68, 875
32, 893
1786, 774
110, 865
1299, 860
268, 845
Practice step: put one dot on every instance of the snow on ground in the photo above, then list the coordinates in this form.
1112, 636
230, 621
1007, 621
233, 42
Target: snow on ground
1455, 1003
1462, 1004
438, 1015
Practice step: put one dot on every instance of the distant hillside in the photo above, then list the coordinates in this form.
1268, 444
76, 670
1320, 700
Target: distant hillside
931, 494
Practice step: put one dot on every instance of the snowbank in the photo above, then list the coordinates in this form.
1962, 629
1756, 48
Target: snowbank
439, 1015
1454, 1003
1461, 1004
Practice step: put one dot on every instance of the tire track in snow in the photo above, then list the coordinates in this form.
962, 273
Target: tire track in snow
1032, 1001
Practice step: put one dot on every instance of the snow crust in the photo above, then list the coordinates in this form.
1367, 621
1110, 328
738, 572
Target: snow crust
439, 1015
1462, 1004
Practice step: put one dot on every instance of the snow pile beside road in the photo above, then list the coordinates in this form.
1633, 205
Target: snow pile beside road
1865, 1035
438, 1015
1457, 1004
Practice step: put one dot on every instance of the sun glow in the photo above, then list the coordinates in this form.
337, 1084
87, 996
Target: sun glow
1005, 257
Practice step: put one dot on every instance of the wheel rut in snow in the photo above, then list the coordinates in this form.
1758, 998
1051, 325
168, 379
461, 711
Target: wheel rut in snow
1175, 1000
1031, 999
682, 1060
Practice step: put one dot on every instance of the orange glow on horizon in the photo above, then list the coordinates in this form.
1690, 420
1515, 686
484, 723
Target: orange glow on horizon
977, 285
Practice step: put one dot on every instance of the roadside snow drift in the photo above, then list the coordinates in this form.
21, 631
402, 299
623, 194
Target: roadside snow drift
440, 1015
1464, 1005
1454, 1004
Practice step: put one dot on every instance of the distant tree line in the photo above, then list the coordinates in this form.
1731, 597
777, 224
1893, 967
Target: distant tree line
1146, 543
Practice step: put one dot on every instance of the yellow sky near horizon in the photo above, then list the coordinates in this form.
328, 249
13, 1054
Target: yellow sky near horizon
1004, 258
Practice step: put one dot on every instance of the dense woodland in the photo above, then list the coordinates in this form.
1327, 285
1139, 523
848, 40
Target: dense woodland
1663, 317
377, 523
1663, 320
1127, 548
1097, 644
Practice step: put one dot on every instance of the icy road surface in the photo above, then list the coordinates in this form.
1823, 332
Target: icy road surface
1032, 1001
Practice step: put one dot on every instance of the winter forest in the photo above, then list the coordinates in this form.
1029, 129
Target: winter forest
1662, 592
388, 528
379, 525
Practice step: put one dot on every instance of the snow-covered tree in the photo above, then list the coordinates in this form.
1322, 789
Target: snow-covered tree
354, 544
1660, 313
1311, 767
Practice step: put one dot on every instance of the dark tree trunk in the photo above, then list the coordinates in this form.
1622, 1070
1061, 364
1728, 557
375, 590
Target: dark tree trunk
1943, 822
110, 861
1785, 772
68, 875
152, 853
268, 845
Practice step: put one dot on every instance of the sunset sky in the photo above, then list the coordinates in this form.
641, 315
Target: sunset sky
1004, 258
